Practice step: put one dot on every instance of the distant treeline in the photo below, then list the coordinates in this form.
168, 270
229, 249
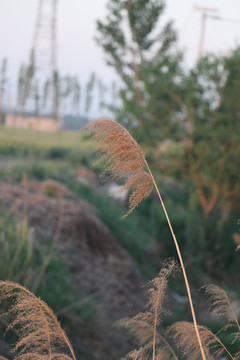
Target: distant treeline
58, 95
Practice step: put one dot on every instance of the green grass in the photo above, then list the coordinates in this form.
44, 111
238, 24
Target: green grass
45, 145
21, 259
132, 232
41, 140
42, 156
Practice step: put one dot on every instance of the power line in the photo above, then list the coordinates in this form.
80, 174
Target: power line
216, 17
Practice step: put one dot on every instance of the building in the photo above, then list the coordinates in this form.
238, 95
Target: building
41, 123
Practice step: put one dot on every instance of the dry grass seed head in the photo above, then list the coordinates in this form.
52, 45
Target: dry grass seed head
143, 323
220, 304
137, 354
185, 338
157, 290
123, 158
163, 354
140, 327
219, 301
40, 334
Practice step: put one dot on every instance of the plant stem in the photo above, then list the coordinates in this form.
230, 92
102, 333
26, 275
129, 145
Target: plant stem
218, 340
155, 325
182, 265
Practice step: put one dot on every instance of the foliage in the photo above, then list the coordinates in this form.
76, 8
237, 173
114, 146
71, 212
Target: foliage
205, 155
147, 63
45, 145
3, 85
186, 120
154, 343
19, 252
133, 233
181, 331
125, 158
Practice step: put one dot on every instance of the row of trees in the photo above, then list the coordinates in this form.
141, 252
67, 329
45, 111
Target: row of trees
188, 121
60, 94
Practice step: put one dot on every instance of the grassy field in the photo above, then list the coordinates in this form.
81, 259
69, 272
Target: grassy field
41, 140
32, 155
45, 145
40, 156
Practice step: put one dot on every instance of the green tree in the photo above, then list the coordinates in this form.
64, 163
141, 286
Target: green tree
187, 121
26, 86
145, 58
3, 85
36, 96
67, 94
206, 153
89, 93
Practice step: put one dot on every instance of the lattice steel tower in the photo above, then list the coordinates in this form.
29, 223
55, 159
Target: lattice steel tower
43, 56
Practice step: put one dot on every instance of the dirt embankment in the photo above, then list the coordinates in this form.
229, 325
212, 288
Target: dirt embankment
97, 264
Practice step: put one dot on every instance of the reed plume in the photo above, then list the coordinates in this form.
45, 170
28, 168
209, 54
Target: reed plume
157, 293
144, 325
142, 354
40, 334
139, 354
220, 304
124, 158
183, 333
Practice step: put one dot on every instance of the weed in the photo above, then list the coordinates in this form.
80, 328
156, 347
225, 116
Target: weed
124, 158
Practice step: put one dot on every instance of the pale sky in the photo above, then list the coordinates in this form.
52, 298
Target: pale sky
77, 52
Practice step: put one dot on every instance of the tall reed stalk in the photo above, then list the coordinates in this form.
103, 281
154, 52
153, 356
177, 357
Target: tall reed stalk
124, 158
182, 267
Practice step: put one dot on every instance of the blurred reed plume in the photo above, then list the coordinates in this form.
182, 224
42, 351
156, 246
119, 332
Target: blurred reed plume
40, 334
183, 334
158, 346
125, 159
144, 325
220, 304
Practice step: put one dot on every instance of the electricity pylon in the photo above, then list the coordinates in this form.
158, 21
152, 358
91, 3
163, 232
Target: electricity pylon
43, 56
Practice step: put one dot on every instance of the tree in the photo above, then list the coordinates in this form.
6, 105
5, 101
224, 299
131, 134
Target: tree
146, 61
89, 93
187, 121
3, 83
26, 86
210, 131
67, 91
206, 153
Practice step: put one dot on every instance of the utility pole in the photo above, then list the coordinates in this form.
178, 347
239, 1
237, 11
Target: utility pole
204, 11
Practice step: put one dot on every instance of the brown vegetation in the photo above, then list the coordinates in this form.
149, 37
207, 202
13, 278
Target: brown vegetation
40, 334
125, 158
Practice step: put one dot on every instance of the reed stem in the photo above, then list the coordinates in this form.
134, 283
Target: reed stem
182, 265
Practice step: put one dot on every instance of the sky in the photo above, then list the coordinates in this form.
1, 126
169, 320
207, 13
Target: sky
77, 52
